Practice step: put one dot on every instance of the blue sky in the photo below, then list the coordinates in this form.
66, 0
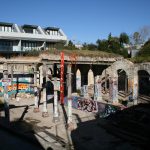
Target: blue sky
81, 20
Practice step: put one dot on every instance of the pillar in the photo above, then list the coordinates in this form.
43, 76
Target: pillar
44, 111
36, 91
69, 97
130, 87
5, 87
98, 89
114, 89
135, 87
55, 114
12, 71
78, 80
41, 75
85, 91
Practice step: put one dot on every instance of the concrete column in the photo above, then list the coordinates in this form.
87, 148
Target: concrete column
135, 87
12, 71
36, 91
69, 97
85, 91
44, 112
78, 80
41, 75
130, 87
110, 89
5, 89
114, 89
98, 89
56, 114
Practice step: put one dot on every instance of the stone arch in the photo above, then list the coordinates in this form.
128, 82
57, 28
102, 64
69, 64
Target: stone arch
78, 79
90, 77
123, 64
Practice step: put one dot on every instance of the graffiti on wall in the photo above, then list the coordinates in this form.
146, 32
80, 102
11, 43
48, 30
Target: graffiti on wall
18, 85
105, 110
101, 109
87, 105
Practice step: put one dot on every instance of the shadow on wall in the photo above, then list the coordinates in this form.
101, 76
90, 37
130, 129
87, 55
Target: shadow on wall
126, 129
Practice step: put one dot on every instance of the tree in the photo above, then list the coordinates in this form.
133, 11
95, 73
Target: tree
136, 38
145, 50
124, 39
92, 46
109, 37
102, 45
85, 46
144, 33
70, 45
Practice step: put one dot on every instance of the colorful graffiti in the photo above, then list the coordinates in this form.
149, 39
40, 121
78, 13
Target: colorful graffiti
87, 105
101, 109
105, 110
18, 85
83, 104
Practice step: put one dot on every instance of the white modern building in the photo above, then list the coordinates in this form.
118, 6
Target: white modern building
15, 38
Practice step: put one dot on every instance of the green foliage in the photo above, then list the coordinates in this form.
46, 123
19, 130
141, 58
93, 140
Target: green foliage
91, 47
136, 38
102, 45
109, 37
124, 39
112, 45
70, 46
145, 50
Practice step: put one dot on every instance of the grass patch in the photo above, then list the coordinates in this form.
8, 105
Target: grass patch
84, 53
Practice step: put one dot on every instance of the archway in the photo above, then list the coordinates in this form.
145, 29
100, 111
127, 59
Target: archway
122, 81
78, 80
144, 82
90, 77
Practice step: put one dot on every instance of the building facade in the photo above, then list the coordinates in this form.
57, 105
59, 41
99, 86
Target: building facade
15, 38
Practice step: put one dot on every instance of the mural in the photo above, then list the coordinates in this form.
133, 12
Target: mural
22, 84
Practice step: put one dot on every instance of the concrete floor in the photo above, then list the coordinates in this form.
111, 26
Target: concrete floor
29, 130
